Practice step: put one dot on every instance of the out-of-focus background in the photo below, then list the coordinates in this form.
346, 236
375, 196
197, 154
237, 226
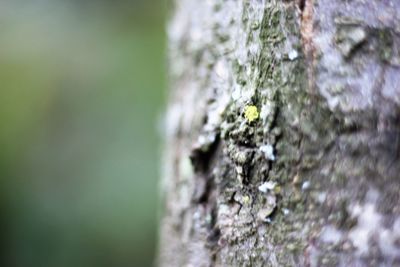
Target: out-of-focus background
81, 89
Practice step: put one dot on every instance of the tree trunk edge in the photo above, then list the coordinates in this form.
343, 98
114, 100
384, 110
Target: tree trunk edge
283, 135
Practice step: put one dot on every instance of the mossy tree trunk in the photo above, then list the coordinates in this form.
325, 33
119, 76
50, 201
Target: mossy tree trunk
283, 134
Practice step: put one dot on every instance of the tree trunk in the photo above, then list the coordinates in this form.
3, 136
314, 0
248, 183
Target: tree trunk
283, 134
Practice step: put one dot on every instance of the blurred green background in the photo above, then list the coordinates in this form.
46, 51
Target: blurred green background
82, 88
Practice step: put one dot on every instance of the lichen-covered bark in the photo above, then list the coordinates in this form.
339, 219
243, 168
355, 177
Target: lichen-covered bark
283, 134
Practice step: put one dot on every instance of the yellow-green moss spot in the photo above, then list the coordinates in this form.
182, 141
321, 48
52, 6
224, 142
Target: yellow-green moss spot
251, 113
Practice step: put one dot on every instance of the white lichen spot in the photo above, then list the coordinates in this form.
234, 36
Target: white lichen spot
267, 186
267, 220
306, 185
197, 215
268, 151
321, 197
293, 54
285, 211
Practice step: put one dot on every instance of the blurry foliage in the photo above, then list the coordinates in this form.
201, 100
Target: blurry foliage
81, 90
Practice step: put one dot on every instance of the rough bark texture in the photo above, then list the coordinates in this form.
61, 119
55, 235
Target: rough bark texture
283, 134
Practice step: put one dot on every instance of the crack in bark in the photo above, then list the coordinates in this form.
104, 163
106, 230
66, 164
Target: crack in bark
201, 156
202, 161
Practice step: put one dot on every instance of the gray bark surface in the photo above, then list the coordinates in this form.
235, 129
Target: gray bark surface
283, 134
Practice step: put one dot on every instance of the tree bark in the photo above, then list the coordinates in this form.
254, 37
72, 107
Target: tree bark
283, 136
